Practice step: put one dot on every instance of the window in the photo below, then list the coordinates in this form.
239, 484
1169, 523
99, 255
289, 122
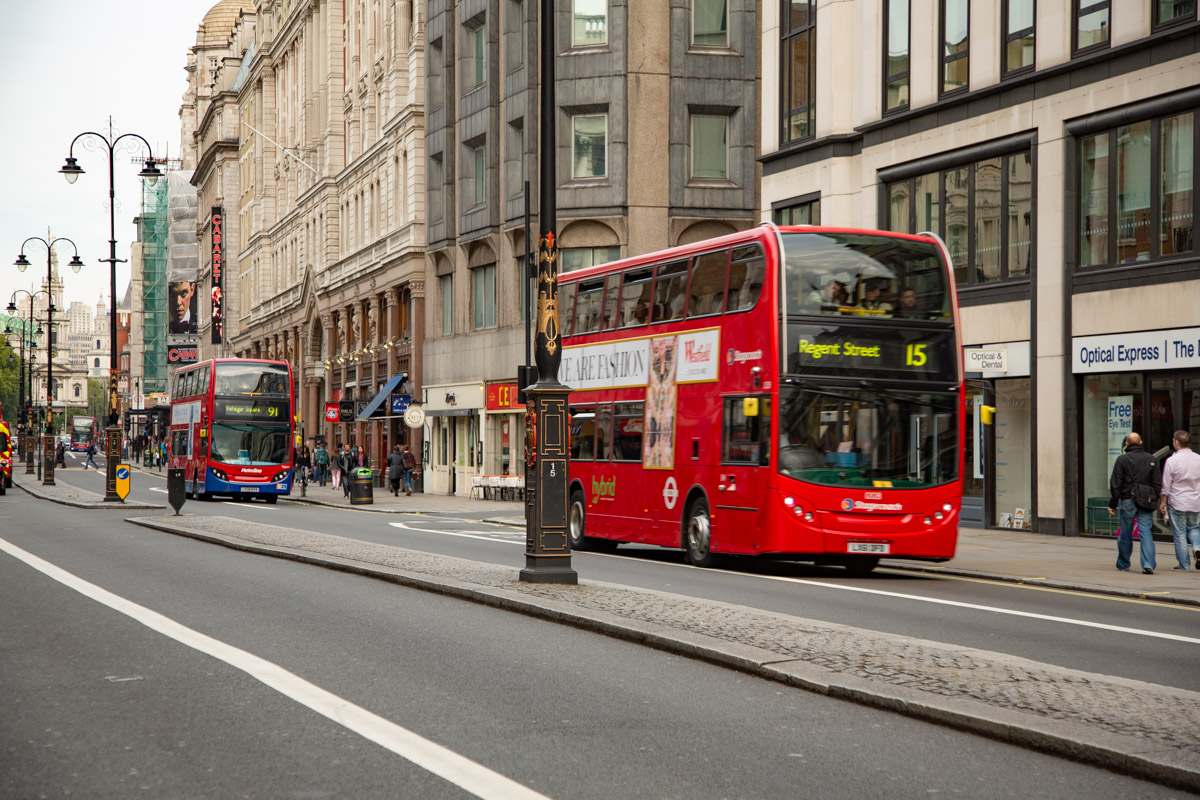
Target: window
747, 271
514, 44
1018, 21
670, 286
566, 307
588, 135
589, 23
1171, 12
746, 438
588, 306
583, 433
612, 293
1091, 25
77, 390
804, 212
983, 211
437, 90
956, 31
706, 292
484, 279
628, 426
572, 258
476, 66
896, 69
635, 297
480, 176
710, 23
97, 364
604, 427
446, 289
710, 147
1144, 194
514, 160
798, 29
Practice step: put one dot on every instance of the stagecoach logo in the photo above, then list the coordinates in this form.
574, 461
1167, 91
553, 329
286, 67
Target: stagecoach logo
737, 356
859, 505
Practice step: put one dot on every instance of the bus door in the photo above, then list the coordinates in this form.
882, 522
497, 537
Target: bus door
743, 474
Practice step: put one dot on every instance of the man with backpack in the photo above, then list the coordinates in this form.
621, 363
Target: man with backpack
91, 456
1133, 488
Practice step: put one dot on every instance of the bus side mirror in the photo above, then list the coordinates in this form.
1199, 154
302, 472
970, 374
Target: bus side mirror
750, 406
987, 415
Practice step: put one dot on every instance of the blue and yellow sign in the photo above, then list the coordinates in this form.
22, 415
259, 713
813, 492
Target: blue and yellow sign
123, 480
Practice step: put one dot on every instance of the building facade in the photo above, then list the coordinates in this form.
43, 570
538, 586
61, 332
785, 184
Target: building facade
1052, 144
656, 134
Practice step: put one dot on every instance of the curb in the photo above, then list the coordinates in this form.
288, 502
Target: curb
1117, 753
93, 504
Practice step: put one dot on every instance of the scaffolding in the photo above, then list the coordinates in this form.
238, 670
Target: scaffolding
155, 225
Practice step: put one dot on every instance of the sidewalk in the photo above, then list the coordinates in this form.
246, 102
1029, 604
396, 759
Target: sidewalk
68, 495
507, 512
1132, 727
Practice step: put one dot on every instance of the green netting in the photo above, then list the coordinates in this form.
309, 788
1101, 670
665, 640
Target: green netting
154, 287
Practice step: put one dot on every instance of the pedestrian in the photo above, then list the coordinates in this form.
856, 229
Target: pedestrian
321, 462
395, 464
349, 465
410, 463
1134, 487
91, 456
60, 454
303, 463
336, 464
360, 457
1181, 494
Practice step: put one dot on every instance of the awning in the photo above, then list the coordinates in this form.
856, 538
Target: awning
379, 399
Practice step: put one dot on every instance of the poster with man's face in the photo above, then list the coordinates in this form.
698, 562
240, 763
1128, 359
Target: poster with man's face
181, 307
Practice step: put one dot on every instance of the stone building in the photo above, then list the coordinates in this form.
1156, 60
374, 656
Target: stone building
1052, 144
310, 138
656, 131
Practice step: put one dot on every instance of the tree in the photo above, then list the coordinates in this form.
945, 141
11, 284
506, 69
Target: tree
10, 381
98, 401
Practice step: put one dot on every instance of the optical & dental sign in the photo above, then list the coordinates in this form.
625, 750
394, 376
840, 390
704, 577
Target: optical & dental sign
1136, 352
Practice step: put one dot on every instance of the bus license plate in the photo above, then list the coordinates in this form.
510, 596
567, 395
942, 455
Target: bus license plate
876, 548
249, 488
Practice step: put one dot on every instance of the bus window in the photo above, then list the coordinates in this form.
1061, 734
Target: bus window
588, 306
746, 276
604, 432
628, 425
612, 293
188, 384
635, 297
566, 308
205, 376
583, 433
706, 293
746, 440
669, 288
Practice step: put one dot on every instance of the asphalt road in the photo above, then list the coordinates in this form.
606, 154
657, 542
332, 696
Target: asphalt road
267, 678
1095, 633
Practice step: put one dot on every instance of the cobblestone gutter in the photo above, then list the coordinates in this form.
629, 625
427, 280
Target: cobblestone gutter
1135, 728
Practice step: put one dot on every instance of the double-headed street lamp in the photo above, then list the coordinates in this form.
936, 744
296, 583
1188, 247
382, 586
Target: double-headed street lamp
71, 171
24, 423
75, 264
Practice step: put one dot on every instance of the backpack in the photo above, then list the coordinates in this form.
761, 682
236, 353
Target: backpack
1145, 497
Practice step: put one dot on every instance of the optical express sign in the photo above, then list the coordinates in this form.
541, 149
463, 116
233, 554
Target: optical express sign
1137, 352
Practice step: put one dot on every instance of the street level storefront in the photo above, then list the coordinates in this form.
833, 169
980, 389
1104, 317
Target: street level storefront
504, 431
1148, 382
999, 464
454, 447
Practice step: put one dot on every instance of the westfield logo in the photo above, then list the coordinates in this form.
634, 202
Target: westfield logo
696, 353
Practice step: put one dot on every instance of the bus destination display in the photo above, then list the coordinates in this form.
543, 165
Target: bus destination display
856, 351
253, 410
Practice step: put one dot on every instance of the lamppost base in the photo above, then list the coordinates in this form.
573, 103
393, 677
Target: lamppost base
549, 569
48, 442
112, 457
547, 545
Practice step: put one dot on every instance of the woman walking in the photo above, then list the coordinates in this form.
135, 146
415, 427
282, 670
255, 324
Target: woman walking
395, 464
303, 463
337, 466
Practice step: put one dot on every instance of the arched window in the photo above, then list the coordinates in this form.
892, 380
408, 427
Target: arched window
77, 390
97, 362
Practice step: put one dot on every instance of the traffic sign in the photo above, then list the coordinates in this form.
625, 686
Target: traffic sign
123, 480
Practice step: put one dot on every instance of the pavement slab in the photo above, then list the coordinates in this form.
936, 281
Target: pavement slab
1133, 727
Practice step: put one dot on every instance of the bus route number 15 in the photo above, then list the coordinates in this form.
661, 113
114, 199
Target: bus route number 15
914, 355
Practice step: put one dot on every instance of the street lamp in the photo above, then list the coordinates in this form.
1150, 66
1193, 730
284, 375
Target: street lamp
71, 171
75, 264
24, 424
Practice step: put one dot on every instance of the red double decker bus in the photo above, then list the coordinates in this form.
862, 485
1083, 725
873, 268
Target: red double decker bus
232, 428
789, 392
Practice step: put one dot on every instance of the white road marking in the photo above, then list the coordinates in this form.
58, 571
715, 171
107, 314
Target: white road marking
157, 489
443, 762
248, 505
480, 536
806, 582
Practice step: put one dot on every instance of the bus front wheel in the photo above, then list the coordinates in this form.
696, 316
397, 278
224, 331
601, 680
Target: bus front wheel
271, 499
860, 566
697, 535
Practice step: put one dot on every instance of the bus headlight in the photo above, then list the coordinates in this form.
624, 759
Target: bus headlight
279, 476
947, 507
928, 521
216, 473
808, 517
938, 515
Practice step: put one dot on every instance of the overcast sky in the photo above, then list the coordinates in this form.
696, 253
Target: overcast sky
66, 66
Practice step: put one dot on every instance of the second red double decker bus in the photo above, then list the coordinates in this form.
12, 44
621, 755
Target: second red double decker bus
785, 392
232, 429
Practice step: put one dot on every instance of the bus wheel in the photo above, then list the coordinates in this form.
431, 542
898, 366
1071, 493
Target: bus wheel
576, 517
861, 566
697, 541
271, 499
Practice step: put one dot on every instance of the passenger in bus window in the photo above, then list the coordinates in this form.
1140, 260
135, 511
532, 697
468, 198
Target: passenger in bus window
833, 294
908, 304
873, 298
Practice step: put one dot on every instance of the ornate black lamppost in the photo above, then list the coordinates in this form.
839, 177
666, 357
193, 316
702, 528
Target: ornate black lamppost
48, 435
24, 422
547, 547
71, 171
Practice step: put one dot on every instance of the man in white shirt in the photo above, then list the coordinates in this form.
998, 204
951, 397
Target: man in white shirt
1181, 491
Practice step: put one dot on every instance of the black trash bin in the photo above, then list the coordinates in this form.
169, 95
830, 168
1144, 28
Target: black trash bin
362, 491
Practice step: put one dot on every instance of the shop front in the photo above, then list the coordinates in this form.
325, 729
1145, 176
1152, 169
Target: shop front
998, 465
1146, 382
504, 431
454, 447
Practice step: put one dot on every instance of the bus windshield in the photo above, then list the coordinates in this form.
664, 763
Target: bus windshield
864, 275
251, 378
249, 444
868, 439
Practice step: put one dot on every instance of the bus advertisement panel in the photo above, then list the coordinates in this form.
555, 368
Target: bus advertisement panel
83, 433
785, 392
232, 428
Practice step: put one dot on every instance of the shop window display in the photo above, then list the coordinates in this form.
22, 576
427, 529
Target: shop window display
1013, 470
